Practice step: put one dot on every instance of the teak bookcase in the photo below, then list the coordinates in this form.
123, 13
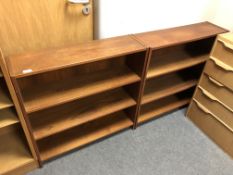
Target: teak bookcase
76, 95
71, 102
175, 63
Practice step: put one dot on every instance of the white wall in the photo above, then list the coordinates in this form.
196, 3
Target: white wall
224, 14
119, 17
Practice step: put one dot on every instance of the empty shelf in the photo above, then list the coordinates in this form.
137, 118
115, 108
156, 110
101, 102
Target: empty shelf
56, 93
14, 152
61, 118
82, 135
8, 117
5, 101
157, 108
167, 64
166, 85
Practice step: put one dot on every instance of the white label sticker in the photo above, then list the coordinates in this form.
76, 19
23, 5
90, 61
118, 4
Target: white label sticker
26, 71
79, 1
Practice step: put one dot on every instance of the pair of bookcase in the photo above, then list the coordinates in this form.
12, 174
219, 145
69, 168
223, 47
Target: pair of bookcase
75, 95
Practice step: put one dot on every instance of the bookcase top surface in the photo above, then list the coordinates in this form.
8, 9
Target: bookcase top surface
178, 35
58, 58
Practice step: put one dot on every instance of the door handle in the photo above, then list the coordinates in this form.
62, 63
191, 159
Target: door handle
86, 8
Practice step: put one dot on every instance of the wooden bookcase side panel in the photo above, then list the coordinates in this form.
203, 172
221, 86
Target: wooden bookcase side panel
138, 63
24, 124
143, 83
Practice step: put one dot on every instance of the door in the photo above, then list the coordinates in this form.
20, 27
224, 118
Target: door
30, 25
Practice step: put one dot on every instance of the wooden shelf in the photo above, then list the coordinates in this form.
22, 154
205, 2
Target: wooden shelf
172, 62
61, 118
5, 101
157, 108
169, 84
8, 117
72, 56
13, 152
42, 97
82, 135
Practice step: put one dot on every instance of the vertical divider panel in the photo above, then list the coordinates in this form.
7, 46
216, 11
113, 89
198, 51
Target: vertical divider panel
137, 63
143, 84
18, 107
